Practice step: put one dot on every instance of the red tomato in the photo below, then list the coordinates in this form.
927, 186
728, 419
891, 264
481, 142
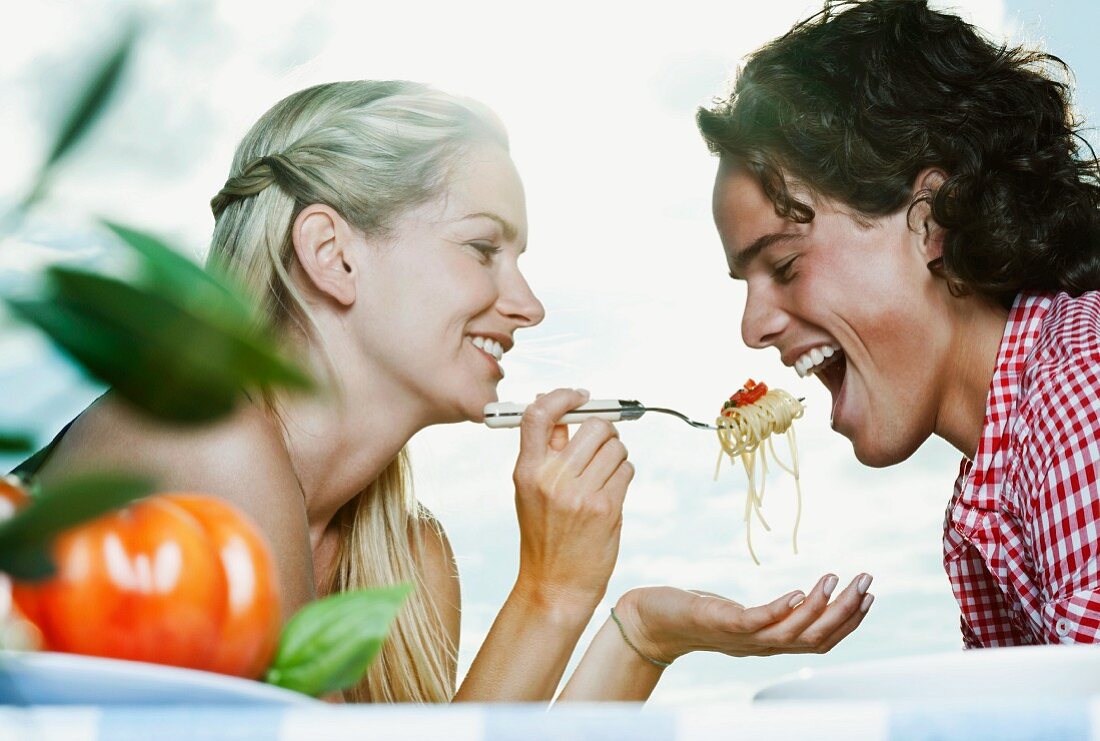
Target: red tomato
250, 630
13, 497
750, 393
181, 579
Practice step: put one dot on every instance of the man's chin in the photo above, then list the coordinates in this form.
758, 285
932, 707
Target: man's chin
880, 451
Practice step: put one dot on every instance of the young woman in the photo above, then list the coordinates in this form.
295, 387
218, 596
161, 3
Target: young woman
378, 227
916, 219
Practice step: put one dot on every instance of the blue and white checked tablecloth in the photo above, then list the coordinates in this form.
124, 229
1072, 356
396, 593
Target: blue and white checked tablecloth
770, 721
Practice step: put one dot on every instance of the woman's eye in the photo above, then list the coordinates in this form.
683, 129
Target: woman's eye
487, 250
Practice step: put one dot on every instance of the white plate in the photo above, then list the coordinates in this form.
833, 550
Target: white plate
44, 678
1027, 672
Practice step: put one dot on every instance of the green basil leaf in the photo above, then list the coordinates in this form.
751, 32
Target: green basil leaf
329, 644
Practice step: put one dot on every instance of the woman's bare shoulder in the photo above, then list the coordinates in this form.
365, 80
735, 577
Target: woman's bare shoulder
241, 458
245, 446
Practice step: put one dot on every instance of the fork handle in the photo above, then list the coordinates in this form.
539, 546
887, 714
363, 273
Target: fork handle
509, 414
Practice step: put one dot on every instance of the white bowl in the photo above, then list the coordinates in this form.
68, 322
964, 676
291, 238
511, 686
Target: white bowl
1027, 672
45, 678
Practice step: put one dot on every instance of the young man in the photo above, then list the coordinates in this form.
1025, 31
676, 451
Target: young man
918, 227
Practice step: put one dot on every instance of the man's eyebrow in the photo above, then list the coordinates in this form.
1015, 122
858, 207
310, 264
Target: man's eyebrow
747, 255
509, 229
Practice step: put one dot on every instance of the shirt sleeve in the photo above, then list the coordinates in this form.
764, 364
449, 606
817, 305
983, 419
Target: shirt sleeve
1073, 619
1063, 473
988, 619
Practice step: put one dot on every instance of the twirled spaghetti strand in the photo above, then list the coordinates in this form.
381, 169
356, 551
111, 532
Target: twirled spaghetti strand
750, 418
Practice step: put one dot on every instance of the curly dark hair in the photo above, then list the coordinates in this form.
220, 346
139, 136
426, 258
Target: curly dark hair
857, 100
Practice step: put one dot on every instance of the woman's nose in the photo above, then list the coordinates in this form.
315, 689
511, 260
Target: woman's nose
518, 302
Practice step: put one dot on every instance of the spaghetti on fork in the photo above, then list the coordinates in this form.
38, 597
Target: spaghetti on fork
747, 422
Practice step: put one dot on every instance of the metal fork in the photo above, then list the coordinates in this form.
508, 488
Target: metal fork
508, 414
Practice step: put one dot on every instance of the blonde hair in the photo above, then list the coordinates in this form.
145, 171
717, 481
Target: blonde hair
370, 150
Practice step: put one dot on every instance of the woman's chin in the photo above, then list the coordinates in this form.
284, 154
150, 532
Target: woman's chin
473, 410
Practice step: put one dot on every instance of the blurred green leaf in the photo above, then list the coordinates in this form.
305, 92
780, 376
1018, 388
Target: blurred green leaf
87, 108
329, 644
15, 442
95, 96
60, 506
160, 355
188, 283
26, 538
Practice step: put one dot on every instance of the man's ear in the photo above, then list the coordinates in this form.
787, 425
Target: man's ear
323, 243
925, 185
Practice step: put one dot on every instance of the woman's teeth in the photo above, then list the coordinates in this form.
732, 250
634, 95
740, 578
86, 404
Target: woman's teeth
815, 359
490, 346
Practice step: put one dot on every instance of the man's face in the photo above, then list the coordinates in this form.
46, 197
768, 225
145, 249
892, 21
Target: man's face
848, 301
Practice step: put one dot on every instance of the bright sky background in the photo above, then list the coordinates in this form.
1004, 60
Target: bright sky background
599, 101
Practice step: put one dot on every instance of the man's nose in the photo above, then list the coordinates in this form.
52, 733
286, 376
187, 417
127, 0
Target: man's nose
763, 320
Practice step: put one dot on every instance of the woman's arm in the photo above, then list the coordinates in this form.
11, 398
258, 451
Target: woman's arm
569, 496
611, 670
664, 623
526, 651
517, 659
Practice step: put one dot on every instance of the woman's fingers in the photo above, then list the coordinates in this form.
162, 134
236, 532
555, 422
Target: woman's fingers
619, 481
681, 621
540, 418
848, 626
559, 438
606, 461
837, 615
787, 632
815, 620
757, 618
587, 441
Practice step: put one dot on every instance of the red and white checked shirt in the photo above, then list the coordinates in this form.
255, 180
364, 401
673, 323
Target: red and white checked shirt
1021, 540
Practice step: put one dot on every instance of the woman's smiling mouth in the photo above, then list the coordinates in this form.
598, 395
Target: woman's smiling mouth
491, 349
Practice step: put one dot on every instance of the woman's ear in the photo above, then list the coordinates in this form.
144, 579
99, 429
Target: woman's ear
323, 243
927, 182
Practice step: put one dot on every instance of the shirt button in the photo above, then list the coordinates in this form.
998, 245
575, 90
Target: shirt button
1062, 627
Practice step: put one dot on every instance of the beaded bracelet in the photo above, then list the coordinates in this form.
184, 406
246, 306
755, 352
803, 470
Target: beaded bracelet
618, 622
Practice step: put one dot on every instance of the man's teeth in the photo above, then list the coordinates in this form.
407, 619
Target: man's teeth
490, 346
814, 359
